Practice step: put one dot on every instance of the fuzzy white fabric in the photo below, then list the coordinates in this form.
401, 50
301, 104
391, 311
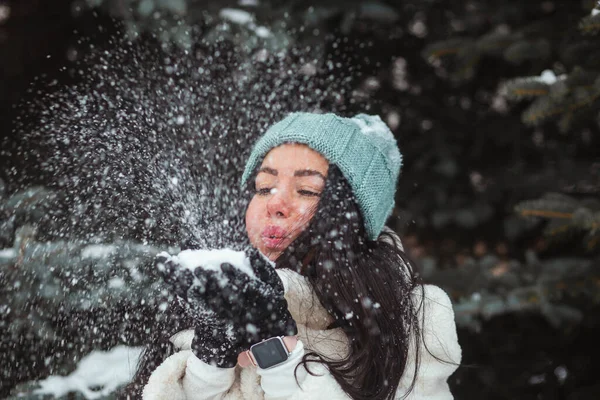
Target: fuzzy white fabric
165, 381
181, 377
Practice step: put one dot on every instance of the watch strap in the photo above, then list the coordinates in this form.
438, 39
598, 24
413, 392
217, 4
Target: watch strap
251, 358
290, 343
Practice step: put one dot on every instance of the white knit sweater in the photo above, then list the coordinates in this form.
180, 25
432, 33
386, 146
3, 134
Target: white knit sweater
183, 376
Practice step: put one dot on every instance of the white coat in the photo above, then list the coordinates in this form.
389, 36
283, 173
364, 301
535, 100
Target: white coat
184, 376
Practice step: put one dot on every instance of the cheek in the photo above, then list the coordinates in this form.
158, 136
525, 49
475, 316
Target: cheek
304, 213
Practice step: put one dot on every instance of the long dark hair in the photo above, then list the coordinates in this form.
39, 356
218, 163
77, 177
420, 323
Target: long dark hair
366, 286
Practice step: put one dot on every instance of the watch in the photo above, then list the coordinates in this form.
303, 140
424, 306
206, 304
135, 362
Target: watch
270, 352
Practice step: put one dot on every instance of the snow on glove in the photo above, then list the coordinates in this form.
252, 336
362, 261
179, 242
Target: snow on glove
214, 339
179, 280
217, 344
255, 306
247, 300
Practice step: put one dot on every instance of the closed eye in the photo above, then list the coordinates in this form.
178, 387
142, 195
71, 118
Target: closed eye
263, 191
308, 193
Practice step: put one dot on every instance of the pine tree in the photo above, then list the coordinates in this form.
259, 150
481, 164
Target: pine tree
568, 95
572, 98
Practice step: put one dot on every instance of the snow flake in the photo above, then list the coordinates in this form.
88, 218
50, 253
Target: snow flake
236, 16
8, 253
548, 77
97, 251
262, 31
116, 283
4, 12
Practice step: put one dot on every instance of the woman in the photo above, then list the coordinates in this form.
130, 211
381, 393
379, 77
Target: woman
355, 321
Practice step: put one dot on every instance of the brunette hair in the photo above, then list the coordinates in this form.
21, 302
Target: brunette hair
366, 286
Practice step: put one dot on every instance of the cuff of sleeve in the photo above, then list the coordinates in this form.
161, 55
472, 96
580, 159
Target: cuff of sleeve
280, 381
208, 372
205, 381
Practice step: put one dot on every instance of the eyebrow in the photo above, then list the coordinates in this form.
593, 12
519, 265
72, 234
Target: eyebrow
300, 172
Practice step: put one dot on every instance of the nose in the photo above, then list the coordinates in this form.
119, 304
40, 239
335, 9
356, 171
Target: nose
279, 205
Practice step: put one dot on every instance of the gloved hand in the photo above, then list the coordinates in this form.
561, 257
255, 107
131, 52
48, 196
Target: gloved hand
247, 309
214, 342
255, 306
179, 280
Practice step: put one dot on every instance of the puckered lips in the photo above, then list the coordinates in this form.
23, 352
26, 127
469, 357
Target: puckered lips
273, 236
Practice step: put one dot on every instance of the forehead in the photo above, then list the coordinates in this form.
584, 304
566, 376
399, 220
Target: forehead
294, 156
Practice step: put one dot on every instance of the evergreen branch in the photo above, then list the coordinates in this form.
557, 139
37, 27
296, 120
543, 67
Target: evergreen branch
528, 298
567, 216
543, 109
565, 122
560, 231
524, 50
524, 88
468, 60
582, 52
551, 202
592, 242
560, 89
590, 25
494, 43
544, 214
588, 219
438, 50
523, 92
552, 206
581, 77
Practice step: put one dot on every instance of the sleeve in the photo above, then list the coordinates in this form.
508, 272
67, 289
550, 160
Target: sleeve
282, 381
439, 350
206, 382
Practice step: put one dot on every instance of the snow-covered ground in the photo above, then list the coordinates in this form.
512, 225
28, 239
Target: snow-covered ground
97, 374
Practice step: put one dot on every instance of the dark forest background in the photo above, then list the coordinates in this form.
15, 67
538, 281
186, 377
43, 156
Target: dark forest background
495, 105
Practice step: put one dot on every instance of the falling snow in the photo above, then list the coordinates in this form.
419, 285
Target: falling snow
142, 155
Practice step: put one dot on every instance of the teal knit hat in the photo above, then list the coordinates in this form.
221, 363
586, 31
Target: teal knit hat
362, 147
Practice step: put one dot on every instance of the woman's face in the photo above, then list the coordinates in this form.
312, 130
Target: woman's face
288, 186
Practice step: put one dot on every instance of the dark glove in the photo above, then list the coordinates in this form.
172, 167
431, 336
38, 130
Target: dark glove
214, 340
248, 309
255, 306
216, 343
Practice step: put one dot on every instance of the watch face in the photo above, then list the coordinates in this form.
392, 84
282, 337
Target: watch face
269, 353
